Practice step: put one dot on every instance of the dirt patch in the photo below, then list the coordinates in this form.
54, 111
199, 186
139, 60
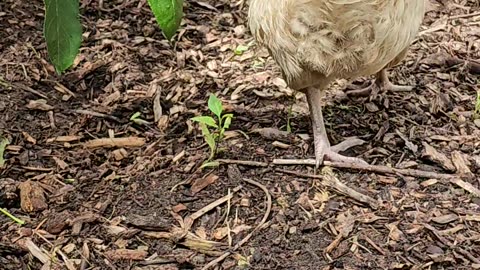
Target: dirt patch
123, 207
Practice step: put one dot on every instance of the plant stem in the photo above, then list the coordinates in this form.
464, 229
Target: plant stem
17, 220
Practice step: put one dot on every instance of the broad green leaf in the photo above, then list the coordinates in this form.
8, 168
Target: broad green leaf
63, 32
207, 120
215, 105
168, 14
210, 164
228, 120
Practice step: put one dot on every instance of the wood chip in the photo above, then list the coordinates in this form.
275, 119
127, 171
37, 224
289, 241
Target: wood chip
433, 155
39, 104
32, 198
466, 186
127, 254
202, 183
461, 163
36, 251
64, 139
445, 219
119, 154
115, 142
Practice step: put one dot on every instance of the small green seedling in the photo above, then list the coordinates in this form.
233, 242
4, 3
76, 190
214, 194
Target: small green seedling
137, 120
240, 49
219, 125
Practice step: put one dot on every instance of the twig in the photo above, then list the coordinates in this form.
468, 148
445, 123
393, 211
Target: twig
330, 180
97, 114
368, 168
190, 219
29, 89
375, 246
246, 238
463, 16
244, 162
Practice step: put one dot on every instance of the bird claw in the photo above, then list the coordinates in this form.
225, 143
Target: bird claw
325, 152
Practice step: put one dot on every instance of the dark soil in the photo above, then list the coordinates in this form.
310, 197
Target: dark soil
123, 207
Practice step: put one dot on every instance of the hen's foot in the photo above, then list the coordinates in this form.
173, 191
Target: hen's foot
382, 84
324, 151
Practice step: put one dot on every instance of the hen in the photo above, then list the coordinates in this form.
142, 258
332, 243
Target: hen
317, 41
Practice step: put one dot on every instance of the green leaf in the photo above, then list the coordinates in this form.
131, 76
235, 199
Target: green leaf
210, 139
63, 32
228, 120
240, 49
168, 14
135, 116
215, 105
3, 146
207, 120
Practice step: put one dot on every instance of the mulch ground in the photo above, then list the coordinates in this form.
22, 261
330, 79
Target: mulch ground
142, 201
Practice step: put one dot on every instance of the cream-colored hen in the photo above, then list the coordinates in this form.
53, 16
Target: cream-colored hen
317, 41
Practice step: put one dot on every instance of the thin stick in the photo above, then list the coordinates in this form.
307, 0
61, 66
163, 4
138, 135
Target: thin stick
243, 162
260, 225
190, 219
330, 180
97, 114
368, 168
463, 16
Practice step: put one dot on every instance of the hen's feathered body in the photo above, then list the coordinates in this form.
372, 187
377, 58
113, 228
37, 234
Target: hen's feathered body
316, 41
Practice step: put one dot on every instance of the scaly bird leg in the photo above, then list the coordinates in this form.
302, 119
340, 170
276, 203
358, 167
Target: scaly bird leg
382, 83
322, 144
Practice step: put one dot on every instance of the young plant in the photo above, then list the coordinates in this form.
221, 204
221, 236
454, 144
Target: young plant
218, 125
62, 27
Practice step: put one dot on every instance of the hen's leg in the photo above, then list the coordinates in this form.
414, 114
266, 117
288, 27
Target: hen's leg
322, 144
382, 83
